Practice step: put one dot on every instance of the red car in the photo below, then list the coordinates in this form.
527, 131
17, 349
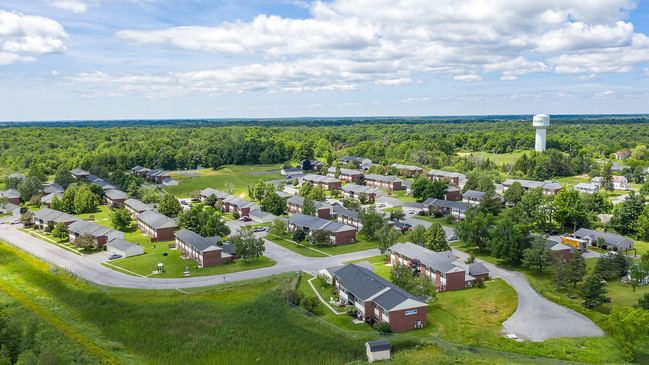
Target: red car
245, 219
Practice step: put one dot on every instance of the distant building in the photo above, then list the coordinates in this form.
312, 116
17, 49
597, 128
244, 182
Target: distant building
360, 162
587, 188
203, 251
451, 177
548, 187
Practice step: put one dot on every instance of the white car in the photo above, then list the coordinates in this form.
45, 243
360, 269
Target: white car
411, 211
381, 205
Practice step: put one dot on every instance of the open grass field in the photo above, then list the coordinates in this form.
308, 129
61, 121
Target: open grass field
239, 175
431, 219
232, 324
361, 244
499, 158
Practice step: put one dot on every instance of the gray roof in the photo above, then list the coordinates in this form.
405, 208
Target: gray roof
9, 207
120, 244
440, 261
445, 204
47, 215
473, 194
17, 176
382, 178
409, 167
392, 201
299, 201
367, 285
114, 194
312, 222
477, 268
258, 213
320, 178
157, 173
219, 194
96, 230
79, 172
412, 205
587, 186
196, 240
156, 220
137, 205
619, 168
611, 238
380, 345
344, 171
140, 169
342, 211
53, 188
357, 189
531, 184
10, 193
241, 203
446, 174
48, 198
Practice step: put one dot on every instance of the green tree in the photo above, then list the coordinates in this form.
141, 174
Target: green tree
474, 231
401, 276
317, 193
63, 177
539, 256
321, 236
298, 236
120, 219
308, 207
85, 201
151, 196
561, 275
569, 208
423, 288
436, 238
305, 189
597, 203
362, 198
60, 231
514, 193
169, 206
607, 177
29, 187
418, 235
246, 245
27, 218
531, 203
643, 302
56, 203
274, 204
210, 201
117, 178
98, 191
509, 240
637, 274
372, 222
85, 242
594, 290
67, 201
626, 215
490, 203
576, 268
278, 227
214, 225
388, 236
627, 325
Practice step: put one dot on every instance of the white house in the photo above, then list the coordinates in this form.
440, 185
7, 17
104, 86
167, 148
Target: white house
588, 188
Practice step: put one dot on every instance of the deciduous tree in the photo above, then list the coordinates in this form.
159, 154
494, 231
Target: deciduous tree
246, 245
121, 219
274, 204
539, 256
60, 231
388, 236
436, 238
169, 206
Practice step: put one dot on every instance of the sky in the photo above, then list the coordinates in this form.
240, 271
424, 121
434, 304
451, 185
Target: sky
163, 59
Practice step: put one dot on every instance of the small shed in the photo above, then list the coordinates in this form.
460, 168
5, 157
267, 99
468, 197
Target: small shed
377, 350
124, 248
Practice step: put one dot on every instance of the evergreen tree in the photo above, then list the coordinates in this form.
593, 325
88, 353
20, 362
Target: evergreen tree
436, 238
67, 201
576, 268
594, 290
85, 201
561, 275
372, 222
63, 177
56, 203
474, 230
607, 177
308, 207
539, 256
298, 236
210, 201
169, 206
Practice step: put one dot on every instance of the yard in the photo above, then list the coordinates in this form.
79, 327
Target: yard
239, 175
499, 158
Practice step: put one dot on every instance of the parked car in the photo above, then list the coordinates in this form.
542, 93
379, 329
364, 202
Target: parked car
259, 229
411, 211
114, 256
15, 221
380, 205
245, 219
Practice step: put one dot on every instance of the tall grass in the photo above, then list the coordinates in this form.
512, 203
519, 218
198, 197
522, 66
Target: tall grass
233, 325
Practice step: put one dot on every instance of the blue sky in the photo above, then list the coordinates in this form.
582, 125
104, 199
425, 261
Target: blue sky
157, 59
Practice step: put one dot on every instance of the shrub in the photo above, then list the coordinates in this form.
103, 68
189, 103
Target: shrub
383, 327
236, 215
310, 303
323, 279
479, 283
351, 310
294, 296
49, 227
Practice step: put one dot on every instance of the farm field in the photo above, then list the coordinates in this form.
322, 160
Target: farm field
239, 175
499, 158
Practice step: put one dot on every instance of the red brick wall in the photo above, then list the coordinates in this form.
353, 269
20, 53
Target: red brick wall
453, 195
166, 234
337, 185
369, 309
563, 254
324, 213
455, 280
343, 238
212, 258
399, 321
245, 212
14, 201
397, 186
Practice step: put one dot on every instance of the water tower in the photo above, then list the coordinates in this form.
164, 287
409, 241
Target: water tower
541, 122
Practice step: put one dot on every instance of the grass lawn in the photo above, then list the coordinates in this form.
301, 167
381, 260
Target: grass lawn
441, 221
361, 244
499, 158
573, 180
401, 195
242, 323
239, 175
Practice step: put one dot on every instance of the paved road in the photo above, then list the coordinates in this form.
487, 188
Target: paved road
537, 318
92, 270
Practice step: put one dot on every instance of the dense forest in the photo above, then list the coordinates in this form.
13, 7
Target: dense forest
188, 144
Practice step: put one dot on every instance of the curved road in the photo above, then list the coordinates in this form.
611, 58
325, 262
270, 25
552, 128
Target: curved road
536, 318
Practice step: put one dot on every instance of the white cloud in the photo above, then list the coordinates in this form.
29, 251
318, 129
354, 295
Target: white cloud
29, 34
583, 78
352, 44
468, 78
75, 6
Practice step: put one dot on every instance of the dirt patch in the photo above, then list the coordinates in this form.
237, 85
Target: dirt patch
462, 154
